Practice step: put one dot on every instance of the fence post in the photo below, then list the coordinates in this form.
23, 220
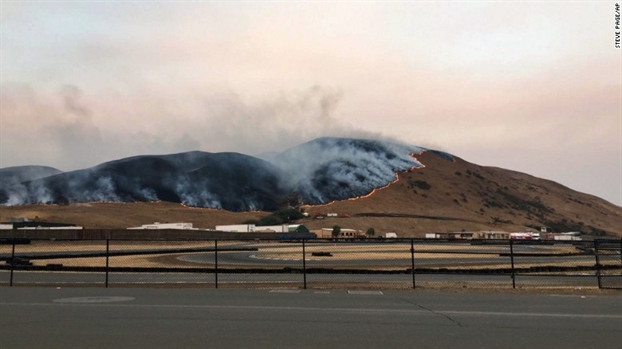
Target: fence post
412, 260
304, 264
107, 259
512, 261
597, 263
12, 262
216, 262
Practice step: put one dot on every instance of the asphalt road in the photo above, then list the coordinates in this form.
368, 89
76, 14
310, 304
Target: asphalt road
256, 258
297, 280
200, 318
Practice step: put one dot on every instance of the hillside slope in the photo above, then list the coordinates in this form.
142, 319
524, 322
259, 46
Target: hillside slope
446, 194
231, 181
455, 195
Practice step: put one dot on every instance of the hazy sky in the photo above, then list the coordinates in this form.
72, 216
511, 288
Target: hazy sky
528, 86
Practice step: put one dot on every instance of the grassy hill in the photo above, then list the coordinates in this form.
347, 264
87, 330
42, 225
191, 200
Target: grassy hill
445, 195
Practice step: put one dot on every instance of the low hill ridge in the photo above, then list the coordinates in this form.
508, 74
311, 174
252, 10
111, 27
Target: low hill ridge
378, 184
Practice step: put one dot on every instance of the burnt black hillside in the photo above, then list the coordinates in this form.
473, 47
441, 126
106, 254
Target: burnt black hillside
316, 172
229, 181
17, 174
445, 194
328, 169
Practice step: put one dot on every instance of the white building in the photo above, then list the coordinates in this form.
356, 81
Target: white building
283, 228
344, 233
252, 228
236, 228
70, 227
158, 225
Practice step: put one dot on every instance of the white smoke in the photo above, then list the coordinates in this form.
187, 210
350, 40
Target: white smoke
362, 165
319, 171
194, 194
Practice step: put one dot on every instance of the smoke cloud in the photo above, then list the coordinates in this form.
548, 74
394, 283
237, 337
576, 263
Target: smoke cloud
70, 130
317, 172
506, 84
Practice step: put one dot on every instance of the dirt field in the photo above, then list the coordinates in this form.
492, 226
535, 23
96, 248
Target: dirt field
465, 256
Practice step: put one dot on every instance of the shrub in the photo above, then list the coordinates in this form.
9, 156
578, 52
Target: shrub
336, 231
370, 232
420, 184
279, 217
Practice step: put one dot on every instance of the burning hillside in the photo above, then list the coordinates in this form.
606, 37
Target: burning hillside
317, 172
374, 183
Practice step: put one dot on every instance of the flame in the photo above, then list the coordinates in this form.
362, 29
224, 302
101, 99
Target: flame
372, 192
397, 178
200, 208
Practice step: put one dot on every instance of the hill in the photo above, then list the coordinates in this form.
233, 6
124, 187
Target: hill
436, 192
232, 181
455, 195
315, 172
18, 174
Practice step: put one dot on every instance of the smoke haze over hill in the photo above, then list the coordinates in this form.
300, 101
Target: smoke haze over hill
505, 84
317, 172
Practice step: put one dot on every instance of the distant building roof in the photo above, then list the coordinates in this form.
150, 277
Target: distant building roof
158, 225
25, 223
298, 228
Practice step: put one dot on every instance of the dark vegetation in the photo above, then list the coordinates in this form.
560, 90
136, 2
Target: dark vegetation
419, 184
283, 216
370, 232
503, 199
336, 231
524, 205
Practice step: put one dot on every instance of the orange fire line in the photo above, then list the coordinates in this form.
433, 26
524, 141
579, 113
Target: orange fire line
375, 190
397, 178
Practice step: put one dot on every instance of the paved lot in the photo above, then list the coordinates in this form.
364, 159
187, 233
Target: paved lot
207, 318
30, 278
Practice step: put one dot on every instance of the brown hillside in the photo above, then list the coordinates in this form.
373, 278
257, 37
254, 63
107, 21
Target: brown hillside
443, 196
460, 195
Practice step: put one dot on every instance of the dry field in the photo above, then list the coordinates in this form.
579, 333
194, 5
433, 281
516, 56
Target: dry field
463, 256
346, 256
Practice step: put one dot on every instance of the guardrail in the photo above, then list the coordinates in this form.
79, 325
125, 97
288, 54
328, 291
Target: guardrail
312, 263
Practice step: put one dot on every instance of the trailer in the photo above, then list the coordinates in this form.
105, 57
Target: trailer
236, 228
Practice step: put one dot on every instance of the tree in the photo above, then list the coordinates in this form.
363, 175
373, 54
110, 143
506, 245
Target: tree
270, 220
370, 232
336, 231
279, 217
288, 215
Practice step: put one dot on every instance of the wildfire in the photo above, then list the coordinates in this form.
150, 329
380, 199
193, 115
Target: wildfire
397, 178
200, 208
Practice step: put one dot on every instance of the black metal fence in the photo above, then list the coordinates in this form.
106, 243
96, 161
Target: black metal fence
314, 263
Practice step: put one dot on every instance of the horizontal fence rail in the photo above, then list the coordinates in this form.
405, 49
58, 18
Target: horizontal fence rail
312, 263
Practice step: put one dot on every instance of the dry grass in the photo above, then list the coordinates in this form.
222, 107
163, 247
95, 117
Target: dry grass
340, 252
456, 199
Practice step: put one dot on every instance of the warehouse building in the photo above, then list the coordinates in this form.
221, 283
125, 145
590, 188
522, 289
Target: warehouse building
344, 233
252, 228
158, 225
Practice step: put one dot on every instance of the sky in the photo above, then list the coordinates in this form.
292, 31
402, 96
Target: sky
533, 87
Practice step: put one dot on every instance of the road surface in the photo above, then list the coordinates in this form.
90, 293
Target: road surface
200, 318
51, 278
